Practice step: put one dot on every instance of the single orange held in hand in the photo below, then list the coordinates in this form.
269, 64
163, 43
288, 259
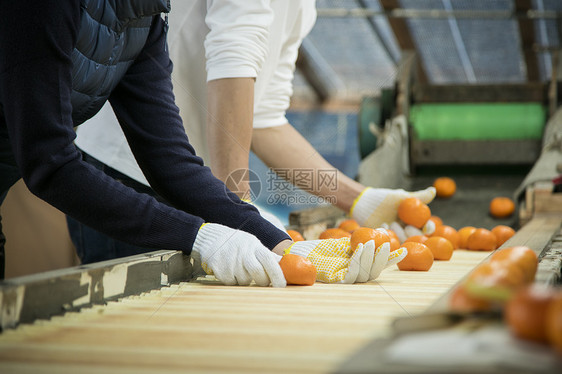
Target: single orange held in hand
445, 187
349, 225
501, 207
481, 240
441, 248
525, 313
298, 270
295, 235
334, 233
364, 234
419, 257
449, 233
413, 211
503, 233
523, 257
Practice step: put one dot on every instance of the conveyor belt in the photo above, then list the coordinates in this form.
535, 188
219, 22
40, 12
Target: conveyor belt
206, 327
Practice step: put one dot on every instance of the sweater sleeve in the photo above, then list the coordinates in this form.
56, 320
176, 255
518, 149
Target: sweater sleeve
236, 45
144, 105
35, 90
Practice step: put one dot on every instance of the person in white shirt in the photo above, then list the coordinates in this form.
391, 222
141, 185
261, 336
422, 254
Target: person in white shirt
234, 63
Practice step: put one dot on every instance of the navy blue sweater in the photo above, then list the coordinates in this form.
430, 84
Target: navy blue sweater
36, 42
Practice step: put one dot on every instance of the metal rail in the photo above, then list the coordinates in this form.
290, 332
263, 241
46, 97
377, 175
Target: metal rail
438, 13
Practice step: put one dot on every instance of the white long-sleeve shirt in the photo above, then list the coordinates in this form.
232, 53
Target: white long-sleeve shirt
214, 39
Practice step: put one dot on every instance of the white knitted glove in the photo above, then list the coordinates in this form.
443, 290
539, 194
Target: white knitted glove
236, 257
336, 263
404, 232
375, 206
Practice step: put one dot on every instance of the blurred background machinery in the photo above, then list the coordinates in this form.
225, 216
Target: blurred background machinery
472, 84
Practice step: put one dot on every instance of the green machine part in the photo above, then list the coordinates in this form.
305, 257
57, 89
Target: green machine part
477, 121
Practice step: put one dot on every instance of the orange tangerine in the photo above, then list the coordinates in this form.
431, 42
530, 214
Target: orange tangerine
417, 239
523, 257
464, 233
481, 240
437, 220
448, 233
441, 248
495, 280
394, 243
295, 235
413, 211
364, 234
461, 301
503, 233
445, 187
298, 270
349, 225
419, 257
501, 207
392, 234
334, 233
526, 312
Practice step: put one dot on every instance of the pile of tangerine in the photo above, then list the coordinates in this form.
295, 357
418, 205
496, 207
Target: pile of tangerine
423, 249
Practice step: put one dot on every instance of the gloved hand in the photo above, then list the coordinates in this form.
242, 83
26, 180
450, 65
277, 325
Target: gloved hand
403, 232
336, 262
236, 257
376, 206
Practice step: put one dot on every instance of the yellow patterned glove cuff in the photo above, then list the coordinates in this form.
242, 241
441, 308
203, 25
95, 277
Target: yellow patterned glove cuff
330, 256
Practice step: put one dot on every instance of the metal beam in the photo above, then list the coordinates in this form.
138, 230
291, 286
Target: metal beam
402, 34
318, 72
439, 13
41, 296
387, 48
527, 34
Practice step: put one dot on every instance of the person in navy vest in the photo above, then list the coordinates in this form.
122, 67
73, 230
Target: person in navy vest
59, 63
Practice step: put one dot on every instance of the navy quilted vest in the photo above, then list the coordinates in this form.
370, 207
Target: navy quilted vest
112, 34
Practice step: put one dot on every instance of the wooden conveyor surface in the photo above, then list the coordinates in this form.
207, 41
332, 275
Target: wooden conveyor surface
206, 327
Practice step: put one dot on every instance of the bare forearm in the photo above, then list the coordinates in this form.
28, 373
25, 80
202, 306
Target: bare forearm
229, 127
280, 248
283, 147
